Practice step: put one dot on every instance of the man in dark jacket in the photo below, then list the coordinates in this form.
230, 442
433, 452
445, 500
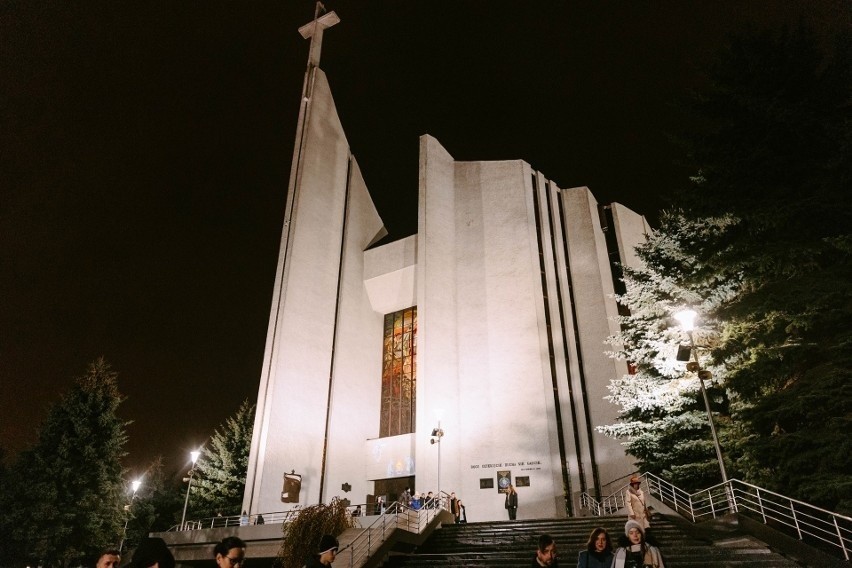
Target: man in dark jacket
328, 547
546, 553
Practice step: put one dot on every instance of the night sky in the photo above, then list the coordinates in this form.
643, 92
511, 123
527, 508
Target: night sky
145, 150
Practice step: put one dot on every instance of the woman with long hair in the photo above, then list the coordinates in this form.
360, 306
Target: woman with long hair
637, 553
634, 500
598, 553
512, 502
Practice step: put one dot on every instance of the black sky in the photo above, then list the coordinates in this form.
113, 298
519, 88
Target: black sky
146, 149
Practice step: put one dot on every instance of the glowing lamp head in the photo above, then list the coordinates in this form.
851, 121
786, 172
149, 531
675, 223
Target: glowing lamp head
136, 484
194, 456
686, 319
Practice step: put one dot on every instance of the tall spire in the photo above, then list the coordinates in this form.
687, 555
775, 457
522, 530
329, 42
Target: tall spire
314, 31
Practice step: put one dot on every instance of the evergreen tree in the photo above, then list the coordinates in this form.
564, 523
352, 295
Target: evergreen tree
777, 156
221, 469
68, 487
663, 416
8, 504
158, 504
773, 284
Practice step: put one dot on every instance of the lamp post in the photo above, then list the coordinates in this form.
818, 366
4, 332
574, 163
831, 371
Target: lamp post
437, 434
687, 318
194, 455
135, 486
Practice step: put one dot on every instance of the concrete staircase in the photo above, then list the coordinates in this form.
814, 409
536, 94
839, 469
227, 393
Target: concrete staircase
511, 544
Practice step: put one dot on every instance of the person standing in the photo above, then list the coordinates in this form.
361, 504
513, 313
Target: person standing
634, 500
380, 506
637, 553
454, 506
545, 555
244, 519
512, 502
598, 553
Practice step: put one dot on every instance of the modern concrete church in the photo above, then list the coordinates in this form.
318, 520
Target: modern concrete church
483, 332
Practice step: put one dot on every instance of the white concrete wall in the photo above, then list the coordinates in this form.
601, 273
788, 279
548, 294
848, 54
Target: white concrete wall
480, 300
437, 355
294, 388
483, 365
356, 392
390, 274
631, 230
596, 313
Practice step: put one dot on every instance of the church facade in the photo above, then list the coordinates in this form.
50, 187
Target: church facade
463, 358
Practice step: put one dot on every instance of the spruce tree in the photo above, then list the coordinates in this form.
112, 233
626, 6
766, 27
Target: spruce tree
221, 469
663, 416
772, 154
776, 155
158, 504
69, 488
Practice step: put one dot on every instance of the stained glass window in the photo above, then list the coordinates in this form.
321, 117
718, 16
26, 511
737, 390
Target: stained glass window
399, 374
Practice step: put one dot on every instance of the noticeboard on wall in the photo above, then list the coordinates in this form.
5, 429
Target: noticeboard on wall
504, 480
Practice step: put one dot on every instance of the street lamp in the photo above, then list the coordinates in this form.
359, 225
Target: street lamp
194, 456
437, 434
687, 318
135, 486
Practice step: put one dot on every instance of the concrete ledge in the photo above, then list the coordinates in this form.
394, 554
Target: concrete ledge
195, 548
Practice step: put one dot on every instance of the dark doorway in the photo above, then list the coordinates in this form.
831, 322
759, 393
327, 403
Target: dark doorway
393, 487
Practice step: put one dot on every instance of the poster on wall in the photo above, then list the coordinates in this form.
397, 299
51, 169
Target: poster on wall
504, 480
486, 483
522, 481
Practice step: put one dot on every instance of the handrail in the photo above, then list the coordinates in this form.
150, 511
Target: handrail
359, 550
372, 537
805, 521
273, 518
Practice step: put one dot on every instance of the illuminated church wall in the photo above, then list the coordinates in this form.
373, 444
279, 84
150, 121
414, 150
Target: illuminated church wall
496, 307
332, 220
511, 282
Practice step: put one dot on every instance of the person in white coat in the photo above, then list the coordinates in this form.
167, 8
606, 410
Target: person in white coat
634, 500
637, 553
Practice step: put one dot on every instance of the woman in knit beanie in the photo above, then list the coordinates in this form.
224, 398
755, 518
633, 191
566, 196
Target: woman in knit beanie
637, 553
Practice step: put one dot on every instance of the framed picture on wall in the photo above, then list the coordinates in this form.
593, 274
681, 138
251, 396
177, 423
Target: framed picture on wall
522, 481
504, 480
486, 483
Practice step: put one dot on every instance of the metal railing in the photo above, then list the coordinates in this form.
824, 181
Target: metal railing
808, 523
372, 537
362, 547
607, 506
276, 517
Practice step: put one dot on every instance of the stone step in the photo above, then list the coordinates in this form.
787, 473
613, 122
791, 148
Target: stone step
510, 544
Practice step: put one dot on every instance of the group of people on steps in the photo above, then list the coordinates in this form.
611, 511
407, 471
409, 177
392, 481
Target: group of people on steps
634, 552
